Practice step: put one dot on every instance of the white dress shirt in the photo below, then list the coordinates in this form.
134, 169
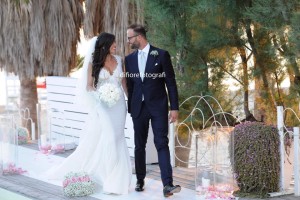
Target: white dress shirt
142, 60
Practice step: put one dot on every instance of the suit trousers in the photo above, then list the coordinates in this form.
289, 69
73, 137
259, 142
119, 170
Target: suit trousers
160, 130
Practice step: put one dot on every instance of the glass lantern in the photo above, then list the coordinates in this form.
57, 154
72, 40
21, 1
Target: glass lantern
9, 144
44, 143
214, 175
57, 131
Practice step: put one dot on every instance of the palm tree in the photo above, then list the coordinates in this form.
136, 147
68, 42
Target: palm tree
38, 38
112, 16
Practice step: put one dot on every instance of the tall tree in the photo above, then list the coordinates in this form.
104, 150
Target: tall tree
247, 40
275, 20
247, 25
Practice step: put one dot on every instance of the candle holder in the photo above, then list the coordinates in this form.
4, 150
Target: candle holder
44, 143
58, 145
8, 143
44, 139
57, 131
42, 119
214, 176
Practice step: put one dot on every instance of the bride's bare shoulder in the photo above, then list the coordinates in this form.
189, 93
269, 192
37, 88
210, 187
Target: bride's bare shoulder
118, 57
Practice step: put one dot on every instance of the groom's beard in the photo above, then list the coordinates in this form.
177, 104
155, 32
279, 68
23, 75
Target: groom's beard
135, 46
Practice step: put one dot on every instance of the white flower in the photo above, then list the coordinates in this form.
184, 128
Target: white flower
76, 184
108, 93
154, 53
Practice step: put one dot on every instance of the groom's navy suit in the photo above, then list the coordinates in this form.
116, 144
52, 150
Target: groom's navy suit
148, 100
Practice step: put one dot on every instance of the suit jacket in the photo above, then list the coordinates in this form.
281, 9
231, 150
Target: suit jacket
159, 81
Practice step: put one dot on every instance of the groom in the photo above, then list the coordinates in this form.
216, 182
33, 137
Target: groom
149, 72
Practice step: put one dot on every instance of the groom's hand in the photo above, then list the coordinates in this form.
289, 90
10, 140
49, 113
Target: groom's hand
173, 116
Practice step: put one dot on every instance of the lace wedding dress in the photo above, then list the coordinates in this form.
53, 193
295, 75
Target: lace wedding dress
102, 151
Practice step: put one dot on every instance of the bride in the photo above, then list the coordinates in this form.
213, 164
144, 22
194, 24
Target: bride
102, 151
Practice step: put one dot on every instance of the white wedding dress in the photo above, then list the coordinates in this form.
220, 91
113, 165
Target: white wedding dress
102, 151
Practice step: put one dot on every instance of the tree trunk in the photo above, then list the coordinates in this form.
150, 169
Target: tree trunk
263, 94
205, 77
28, 95
243, 56
292, 67
258, 112
291, 57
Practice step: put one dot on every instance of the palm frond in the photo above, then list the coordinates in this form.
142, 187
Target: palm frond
39, 38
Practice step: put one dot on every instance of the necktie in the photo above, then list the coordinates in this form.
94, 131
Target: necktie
142, 64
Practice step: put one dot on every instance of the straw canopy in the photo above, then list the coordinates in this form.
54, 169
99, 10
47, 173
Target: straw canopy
39, 38
112, 16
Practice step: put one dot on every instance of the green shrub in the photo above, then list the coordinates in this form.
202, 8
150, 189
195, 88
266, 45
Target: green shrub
256, 159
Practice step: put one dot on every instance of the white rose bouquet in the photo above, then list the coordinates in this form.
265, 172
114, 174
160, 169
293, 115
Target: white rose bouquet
108, 93
78, 184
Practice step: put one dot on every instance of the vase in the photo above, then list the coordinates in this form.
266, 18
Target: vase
44, 143
8, 143
214, 176
57, 131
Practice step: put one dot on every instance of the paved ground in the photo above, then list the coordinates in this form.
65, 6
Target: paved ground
38, 190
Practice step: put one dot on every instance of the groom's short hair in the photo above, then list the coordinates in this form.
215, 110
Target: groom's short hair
138, 29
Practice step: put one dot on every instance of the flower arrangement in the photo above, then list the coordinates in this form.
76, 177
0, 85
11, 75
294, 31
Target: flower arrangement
12, 169
77, 184
22, 135
256, 158
154, 53
222, 192
45, 148
108, 93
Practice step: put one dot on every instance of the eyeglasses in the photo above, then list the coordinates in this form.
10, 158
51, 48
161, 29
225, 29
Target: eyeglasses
129, 38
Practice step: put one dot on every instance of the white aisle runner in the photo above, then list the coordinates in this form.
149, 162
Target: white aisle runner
36, 163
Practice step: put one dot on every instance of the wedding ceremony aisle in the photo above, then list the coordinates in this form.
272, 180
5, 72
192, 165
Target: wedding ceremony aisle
32, 185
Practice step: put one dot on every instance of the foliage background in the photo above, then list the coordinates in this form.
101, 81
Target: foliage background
248, 41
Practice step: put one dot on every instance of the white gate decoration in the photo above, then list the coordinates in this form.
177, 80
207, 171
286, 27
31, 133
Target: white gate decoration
289, 161
213, 169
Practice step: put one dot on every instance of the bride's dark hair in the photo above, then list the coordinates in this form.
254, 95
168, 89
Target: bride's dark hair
102, 46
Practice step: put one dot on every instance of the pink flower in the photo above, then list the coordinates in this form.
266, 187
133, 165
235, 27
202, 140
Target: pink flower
45, 148
12, 169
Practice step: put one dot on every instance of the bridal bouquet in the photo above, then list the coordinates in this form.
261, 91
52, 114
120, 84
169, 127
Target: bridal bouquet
78, 184
108, 93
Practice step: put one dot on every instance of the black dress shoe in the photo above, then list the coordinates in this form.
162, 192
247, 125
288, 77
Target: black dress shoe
170, 189
139, 185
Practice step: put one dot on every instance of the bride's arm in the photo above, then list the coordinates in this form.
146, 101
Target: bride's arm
90, 79
124, 85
